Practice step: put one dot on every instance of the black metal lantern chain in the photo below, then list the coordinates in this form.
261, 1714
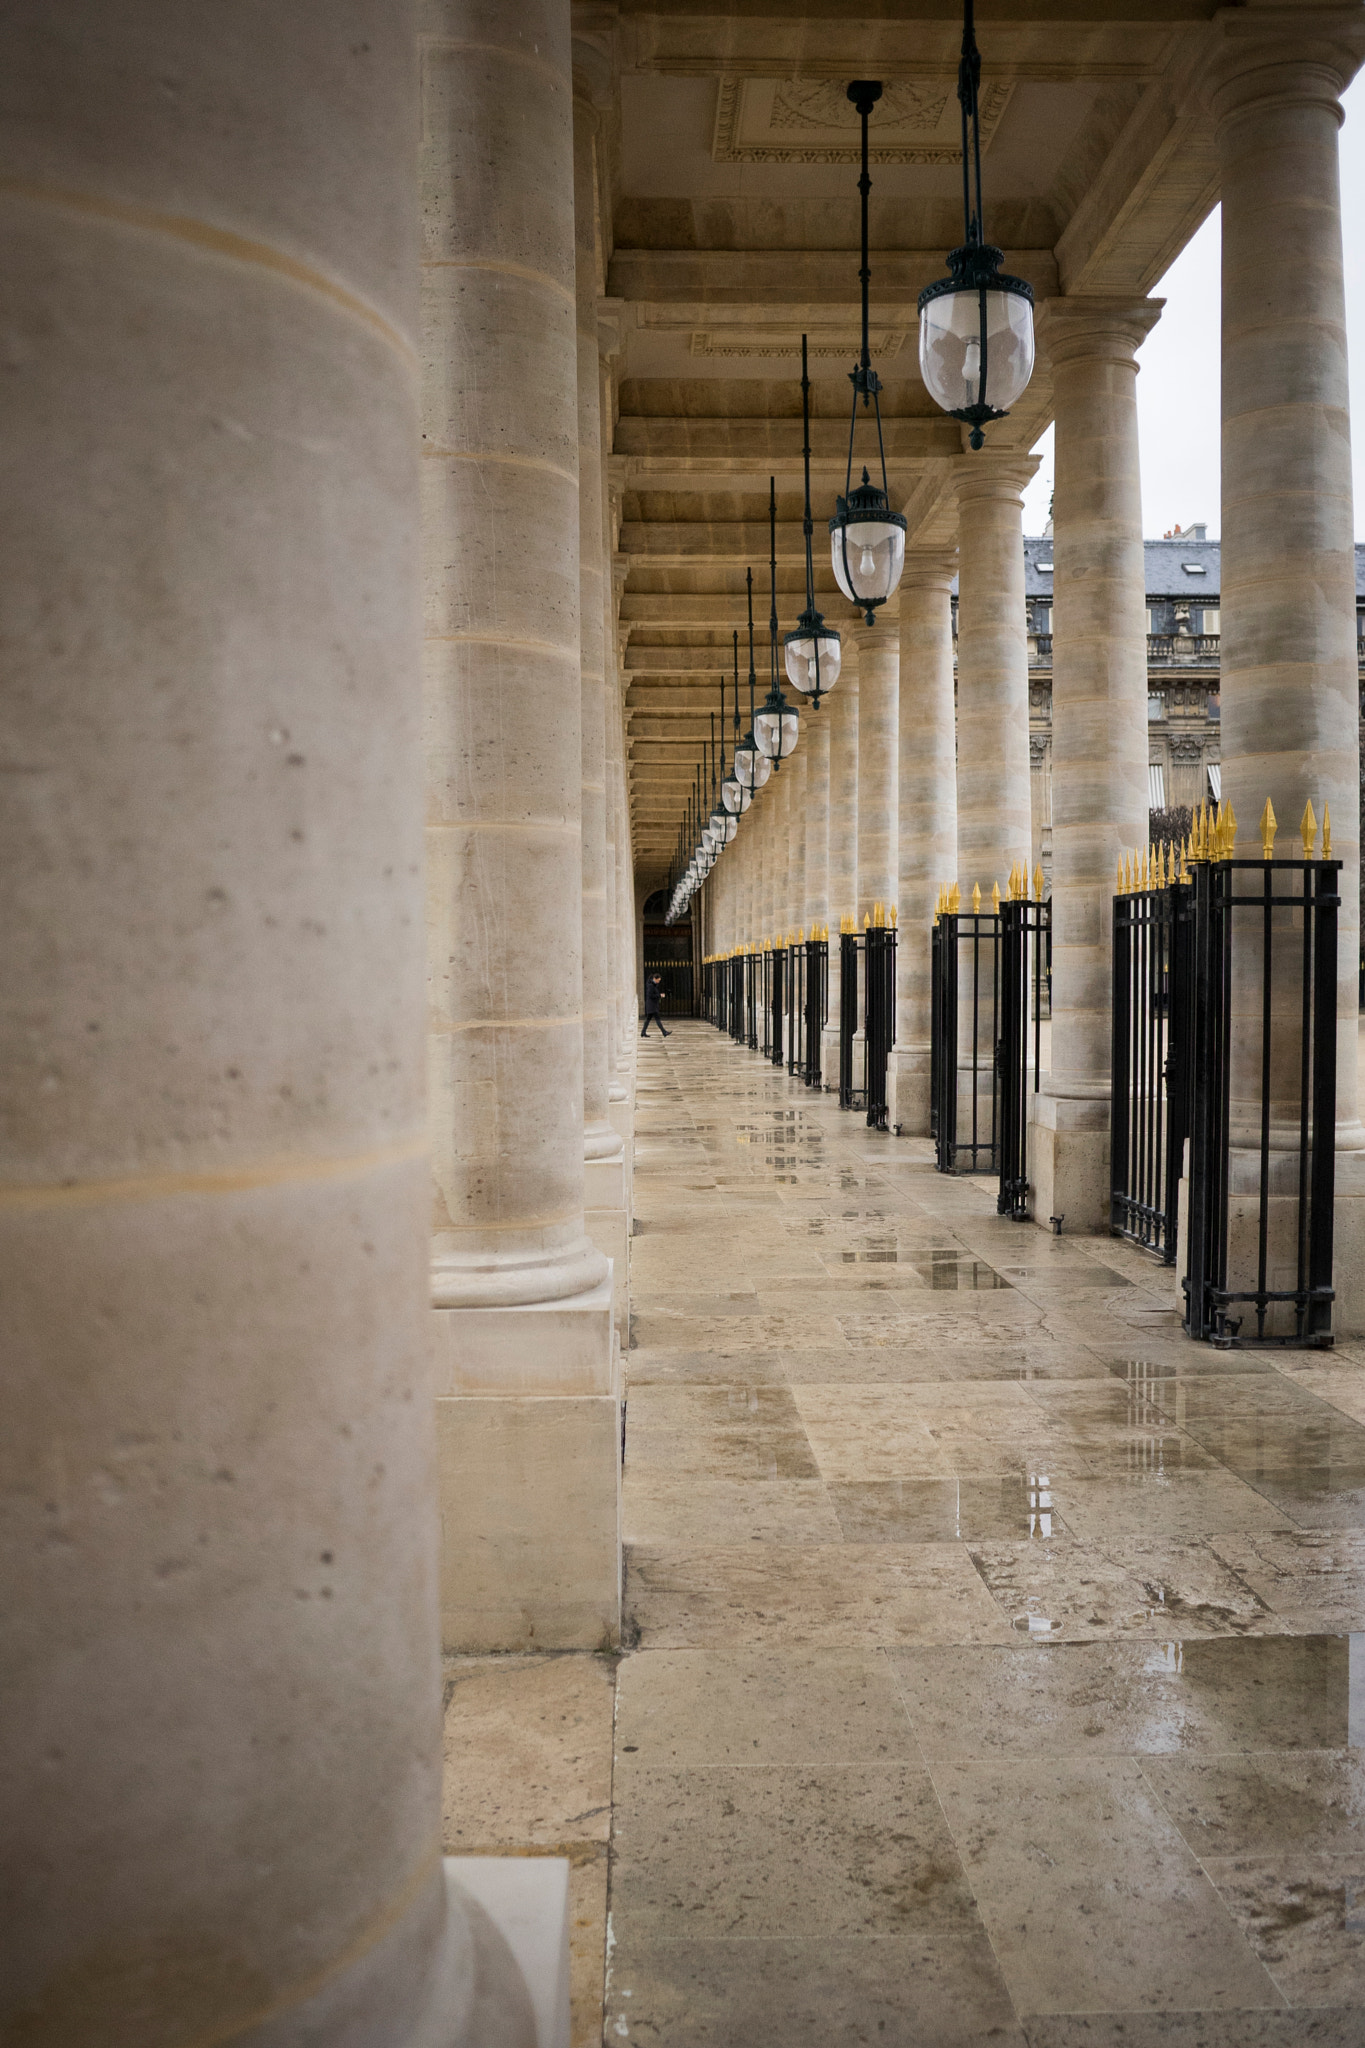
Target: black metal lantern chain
865, 93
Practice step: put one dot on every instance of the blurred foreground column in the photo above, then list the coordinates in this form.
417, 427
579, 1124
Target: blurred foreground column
220, 1804
527, 1372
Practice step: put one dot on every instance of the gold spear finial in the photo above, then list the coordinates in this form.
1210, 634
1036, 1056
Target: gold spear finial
1268, 829
1118, 886
1185, 862
891, 916
1038, 882
995, 898
1231, 822
976, 899
1308, 831
1327, 832
955, 900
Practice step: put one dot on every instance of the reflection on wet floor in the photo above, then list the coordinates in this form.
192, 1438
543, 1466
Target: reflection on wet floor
989, 1639
953, 1270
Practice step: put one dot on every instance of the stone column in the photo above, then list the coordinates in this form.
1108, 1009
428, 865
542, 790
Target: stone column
523, 1296
1289, 675
604, 1178
221, 1777
794, 775
994, 822
815, 740
1099, 732
993, 811
926, 812
878, 694
842, 712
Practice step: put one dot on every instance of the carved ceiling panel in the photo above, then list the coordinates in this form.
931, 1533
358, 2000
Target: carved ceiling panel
812, 121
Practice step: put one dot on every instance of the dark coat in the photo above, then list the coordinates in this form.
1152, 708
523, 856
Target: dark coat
652, 993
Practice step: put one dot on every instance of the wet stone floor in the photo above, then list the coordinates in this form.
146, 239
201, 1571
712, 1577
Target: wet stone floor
991, 1674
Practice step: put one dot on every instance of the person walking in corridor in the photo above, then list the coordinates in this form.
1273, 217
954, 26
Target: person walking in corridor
654, 984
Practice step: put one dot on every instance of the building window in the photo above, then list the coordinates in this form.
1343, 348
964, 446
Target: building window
1215, 782
1156, 787
1209, 619
1156, 707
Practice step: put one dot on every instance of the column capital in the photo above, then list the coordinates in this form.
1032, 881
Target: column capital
1096, 329
929, 569
1278, 56
993, 476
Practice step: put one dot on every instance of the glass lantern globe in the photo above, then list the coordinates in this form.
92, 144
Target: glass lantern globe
866, 547
776, 727
723, 826
976, 338
751, 765
813, 655
735, 795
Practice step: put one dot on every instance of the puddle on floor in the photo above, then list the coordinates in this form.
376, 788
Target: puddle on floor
958, 1270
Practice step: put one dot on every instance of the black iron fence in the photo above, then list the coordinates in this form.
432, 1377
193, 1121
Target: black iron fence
879, 1016
1025, 1000
991, 975
1263, 1118
777, 995
852, 1080
1152, 1011
965, 1032
1225, 1042
816, 1005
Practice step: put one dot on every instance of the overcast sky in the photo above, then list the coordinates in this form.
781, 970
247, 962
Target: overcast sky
1178, 381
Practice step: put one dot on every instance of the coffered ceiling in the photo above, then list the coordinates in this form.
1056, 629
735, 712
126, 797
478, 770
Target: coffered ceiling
731, 219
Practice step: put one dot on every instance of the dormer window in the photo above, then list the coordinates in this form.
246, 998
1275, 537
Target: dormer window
1194, 568
1044, 568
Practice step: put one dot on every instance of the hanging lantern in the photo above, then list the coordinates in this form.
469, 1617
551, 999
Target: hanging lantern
752, 765
812, 653
734, 793
777, 726
866, 538
976, 324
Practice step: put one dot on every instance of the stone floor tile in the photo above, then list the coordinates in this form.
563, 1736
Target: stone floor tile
1312, 1580
944, 1510
705, 1368
765, 1332
868, 1432
1121, 1698
528, 1747
1304, 1916
685, 1709
1284, 2029
796, 1851
863, 1595
1267, 1803
901, 1991
662, 1509
1090, 1896
1165, 1503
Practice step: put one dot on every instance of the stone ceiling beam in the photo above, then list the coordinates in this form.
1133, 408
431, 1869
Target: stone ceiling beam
676, 289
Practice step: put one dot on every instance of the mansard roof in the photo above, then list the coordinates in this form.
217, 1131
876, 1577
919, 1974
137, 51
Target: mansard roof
1178, 568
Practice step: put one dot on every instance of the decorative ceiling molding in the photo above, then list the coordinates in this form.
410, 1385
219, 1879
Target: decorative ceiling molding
812, 121
742, 342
